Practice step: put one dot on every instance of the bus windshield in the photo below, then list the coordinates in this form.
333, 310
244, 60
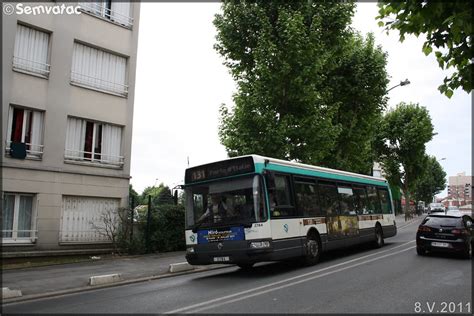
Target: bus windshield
236, 201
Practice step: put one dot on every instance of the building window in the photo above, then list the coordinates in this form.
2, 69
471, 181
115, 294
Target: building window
114, 11
98, 69
31, 51
26, 126
85, 219
18, 218
94, 142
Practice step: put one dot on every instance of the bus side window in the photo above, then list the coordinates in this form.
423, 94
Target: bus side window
306, 197
374, 202
282, 196
385, 199
346, 200
360, 200
329, 198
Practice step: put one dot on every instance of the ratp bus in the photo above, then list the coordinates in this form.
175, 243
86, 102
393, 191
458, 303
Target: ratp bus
268, 210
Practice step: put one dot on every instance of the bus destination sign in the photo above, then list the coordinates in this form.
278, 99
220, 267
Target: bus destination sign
220, 169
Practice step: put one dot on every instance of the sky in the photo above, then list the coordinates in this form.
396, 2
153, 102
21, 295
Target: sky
181, 83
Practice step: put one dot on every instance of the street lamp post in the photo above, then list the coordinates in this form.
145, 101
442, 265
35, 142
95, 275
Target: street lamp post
401, 84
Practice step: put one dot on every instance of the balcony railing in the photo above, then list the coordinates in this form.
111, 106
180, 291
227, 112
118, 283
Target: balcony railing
17, 235
98, 83
101, 11
37, 152
31, 66
99, 158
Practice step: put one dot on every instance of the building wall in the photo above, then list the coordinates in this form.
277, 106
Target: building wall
52, 177
460, 189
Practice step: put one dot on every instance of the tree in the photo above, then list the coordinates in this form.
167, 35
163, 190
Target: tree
309, 87
432, 182
448, 28
133, 195
358, 84
400, 144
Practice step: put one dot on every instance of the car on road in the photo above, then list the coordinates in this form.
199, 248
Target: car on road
445, 232
435, 207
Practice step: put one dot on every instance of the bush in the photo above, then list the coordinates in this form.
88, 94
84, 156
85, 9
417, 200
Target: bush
166, 228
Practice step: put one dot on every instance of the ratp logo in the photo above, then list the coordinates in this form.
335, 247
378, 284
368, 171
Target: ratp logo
285, 227
192, 238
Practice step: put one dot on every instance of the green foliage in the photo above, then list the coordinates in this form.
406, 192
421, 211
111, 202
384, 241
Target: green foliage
432, 181
448, 28
358, 84
308, 87
167, 228
401, 142
133, 195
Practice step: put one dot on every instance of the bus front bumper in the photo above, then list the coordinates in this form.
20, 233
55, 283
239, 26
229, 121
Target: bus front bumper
230, 252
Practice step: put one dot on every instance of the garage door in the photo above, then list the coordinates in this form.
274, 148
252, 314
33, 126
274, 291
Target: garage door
82, 218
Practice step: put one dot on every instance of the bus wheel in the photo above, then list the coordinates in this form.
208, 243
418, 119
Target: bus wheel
245, 266
378, 242
312, 249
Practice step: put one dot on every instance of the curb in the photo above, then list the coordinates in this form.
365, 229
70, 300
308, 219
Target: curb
179, 267
104, 279
7, 293
30, 297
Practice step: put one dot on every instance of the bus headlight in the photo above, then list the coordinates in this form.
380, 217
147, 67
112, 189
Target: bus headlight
259, 244
190, 250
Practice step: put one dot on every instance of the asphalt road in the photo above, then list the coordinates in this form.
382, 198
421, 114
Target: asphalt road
393, 279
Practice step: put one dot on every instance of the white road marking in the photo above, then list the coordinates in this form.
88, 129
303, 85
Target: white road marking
255, 291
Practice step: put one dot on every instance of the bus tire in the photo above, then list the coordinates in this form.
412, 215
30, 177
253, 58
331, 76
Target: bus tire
378, 242
312, 249
245, 266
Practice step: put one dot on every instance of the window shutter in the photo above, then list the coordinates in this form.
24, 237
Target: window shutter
31, 50
99, 69
36, 141
75, 137
111, 143
121, 13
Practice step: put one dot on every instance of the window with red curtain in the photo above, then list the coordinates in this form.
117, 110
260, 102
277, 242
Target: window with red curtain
98, 142
88, 140
17, 125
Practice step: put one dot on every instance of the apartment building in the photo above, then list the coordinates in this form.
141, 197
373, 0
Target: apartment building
459, 190
68, 91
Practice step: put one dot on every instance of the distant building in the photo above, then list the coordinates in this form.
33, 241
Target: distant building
68, 91
377, 170
459, 190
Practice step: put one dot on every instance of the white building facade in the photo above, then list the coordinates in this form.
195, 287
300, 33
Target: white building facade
67, 112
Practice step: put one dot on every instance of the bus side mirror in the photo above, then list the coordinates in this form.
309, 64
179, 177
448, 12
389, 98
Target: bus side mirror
270, 179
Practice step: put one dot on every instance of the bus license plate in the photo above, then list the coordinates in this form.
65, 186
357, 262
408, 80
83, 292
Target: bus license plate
440, 244
221, 259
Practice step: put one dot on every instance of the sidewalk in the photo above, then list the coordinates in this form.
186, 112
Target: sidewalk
74, 277
400, 218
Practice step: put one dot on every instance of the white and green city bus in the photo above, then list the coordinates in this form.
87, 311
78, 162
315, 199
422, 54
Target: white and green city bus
251, 209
